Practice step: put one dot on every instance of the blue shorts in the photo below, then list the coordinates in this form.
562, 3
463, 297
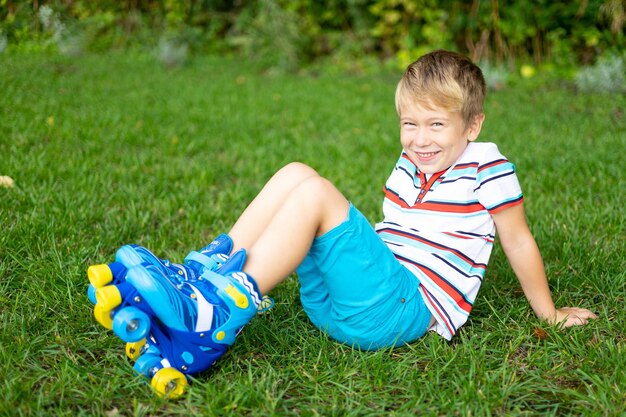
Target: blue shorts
353, 288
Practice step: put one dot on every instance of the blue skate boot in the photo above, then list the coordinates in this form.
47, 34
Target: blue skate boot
211, 256
190, 325
111, 294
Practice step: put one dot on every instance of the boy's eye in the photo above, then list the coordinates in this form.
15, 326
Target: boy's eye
437, 124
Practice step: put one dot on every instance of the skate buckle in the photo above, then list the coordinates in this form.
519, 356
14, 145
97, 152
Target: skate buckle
241, 300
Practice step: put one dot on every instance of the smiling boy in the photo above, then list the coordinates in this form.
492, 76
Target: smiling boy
419, 269
448, 195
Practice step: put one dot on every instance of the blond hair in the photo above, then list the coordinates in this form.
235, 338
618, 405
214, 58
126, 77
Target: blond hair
443, 79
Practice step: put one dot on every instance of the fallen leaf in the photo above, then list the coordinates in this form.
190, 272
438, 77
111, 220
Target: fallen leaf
6, 181
540, 333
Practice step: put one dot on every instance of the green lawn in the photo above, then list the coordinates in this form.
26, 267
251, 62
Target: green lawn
109, 150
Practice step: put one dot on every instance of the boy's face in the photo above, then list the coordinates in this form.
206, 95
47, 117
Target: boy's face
435, 138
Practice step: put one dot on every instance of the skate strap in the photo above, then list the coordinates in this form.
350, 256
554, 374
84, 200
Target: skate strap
234, 263
203, 260
198, 340
244, 281
222, 244
267, 303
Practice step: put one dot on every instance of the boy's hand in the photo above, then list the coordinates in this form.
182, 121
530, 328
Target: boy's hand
521, 249
573, 316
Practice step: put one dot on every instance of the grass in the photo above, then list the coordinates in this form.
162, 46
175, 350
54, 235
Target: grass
108, 150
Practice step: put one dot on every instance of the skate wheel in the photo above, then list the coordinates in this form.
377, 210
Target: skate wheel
131, 324
91, 293
169, 383
99, 275
134, 349
148, 364
108, 297
103, 316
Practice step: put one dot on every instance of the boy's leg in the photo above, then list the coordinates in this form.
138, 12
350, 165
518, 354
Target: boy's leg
199, 318
311, 208
255, 218
202, 317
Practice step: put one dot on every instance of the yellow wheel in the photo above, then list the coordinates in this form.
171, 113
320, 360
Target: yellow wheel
169, 383
99, 275
103, 316
108, 297
133, 350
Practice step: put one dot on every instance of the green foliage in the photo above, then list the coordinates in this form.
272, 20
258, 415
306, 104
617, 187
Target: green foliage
172, 52
496, 76
607, 75
68, 40
271, 35
288, 34
410, 28
3, 42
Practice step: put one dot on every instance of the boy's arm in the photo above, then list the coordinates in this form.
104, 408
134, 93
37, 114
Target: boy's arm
523, 254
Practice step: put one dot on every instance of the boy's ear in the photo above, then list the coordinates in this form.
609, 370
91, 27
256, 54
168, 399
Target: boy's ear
473, 128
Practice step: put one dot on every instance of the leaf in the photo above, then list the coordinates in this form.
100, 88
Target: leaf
6, 181
540, 333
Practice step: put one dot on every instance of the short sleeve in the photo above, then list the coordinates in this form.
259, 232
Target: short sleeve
497, 185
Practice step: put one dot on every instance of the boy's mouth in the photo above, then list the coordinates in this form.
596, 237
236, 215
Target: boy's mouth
426, 154
425, 157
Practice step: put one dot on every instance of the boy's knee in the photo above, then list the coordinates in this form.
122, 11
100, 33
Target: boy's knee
310, 188
299, 170
323, 201
318, 189
315, 186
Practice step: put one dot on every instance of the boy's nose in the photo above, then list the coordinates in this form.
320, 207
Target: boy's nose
420, 138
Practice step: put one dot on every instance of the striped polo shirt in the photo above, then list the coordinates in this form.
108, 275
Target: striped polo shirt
440, 226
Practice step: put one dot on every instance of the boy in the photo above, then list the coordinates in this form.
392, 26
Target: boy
418, 270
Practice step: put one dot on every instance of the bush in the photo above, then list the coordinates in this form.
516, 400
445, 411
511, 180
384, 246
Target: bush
606, 76
288, 34
496, 77
270, 35
172, 52
3, 42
